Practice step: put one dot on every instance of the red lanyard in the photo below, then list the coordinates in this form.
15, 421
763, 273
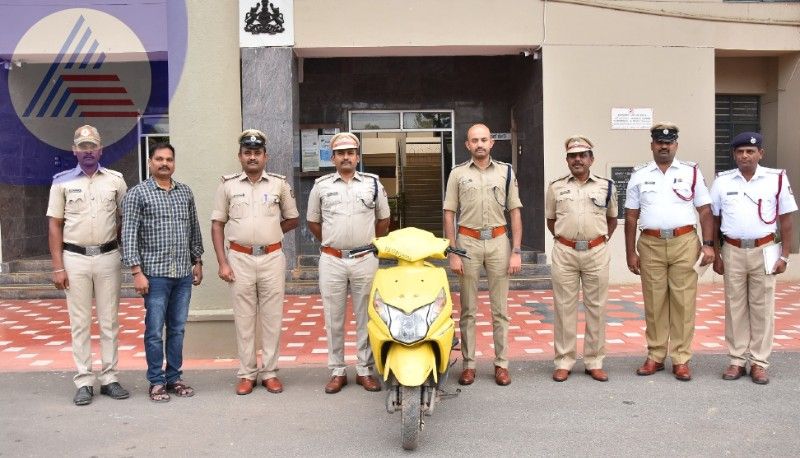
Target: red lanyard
777, 202
694, 182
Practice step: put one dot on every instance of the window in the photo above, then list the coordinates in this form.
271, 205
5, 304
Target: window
152, 129
734, 114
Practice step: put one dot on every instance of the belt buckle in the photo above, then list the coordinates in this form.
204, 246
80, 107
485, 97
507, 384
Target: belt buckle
666, 233
93, 250
258, 250
486, 234
748, 243
345, 253
581, 245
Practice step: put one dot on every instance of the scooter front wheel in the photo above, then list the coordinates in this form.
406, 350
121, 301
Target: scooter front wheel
411, 419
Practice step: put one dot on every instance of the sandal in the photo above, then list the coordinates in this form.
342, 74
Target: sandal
180, 388
158, 393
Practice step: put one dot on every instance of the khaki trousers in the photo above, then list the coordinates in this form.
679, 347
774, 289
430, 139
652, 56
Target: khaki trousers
669, 287
257, 296
335, 275
749, 306
493, 256
101, 275
572, 271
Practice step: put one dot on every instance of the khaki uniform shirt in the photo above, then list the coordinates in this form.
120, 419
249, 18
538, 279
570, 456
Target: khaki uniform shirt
88, 205
479, 196
254, 211
347, 211
580, 209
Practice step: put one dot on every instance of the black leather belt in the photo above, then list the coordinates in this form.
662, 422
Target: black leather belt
91, 250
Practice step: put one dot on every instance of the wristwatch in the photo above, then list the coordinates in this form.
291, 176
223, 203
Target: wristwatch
708, 243
517, 251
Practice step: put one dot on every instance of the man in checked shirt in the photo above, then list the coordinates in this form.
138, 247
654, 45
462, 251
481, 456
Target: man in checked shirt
161, 243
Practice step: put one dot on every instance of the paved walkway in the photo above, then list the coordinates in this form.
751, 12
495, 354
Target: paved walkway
34, 334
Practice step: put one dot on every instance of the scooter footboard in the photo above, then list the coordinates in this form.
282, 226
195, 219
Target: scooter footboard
411, 366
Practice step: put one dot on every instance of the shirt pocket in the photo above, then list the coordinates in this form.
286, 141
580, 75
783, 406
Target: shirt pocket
468, 191
270, 204
332, 203
75, 203
366, 200
182, 210
564, 204
648, 193
109, 200
597, 202
238, 208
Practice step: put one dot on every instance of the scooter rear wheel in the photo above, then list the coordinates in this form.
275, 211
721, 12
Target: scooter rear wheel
410, 415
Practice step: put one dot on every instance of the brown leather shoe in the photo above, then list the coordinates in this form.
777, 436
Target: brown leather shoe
273, 385
650, 367
758, 374
501, 376
368, 382
335, 384
559, 375
597, 374
467, 377
682, 372
245, 386
733, 372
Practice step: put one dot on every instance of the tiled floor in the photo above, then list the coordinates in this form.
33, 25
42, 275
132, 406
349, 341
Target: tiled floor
34, 335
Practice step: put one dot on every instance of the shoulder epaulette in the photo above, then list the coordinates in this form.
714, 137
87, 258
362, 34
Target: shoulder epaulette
463, 163
60, 174
324, 177
689, 163
561, 178
605, 179
114, 172
229, 176
276, 175
775, 171
371, 175
726, 172
500, 162
641, 166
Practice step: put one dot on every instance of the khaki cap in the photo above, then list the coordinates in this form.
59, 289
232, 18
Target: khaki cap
578, 144
87, 134
344, 140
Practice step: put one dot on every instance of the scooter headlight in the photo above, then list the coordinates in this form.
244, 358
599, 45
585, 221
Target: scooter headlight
412, 327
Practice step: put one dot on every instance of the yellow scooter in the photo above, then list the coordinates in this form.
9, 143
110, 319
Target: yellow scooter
410, 325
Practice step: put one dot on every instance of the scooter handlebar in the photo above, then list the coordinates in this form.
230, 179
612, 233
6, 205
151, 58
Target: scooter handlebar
456, 251
363, 249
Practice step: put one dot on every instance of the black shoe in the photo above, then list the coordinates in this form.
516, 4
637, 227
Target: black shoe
84, 396
114, 390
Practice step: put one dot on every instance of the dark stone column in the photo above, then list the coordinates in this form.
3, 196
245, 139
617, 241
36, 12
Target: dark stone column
270, 103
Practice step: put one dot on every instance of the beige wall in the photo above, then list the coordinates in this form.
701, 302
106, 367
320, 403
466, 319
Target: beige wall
581, 101
205, 118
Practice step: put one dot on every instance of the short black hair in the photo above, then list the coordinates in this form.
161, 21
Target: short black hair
160, 145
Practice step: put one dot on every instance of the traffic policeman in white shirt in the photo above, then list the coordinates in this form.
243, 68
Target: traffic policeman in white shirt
747, 203
661, 198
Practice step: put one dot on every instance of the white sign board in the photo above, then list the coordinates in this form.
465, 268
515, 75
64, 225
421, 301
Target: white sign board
631, 118
266, 23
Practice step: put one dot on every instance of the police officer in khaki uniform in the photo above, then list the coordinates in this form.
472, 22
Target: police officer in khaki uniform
581, 212
747, 202
256, 208
84, 211
661, 200
480, 190
347, 209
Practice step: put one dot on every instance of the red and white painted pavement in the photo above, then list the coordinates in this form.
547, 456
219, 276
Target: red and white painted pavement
35, 334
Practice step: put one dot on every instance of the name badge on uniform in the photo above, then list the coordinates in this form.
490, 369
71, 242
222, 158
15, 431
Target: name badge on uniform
266, 198
564, 192
677, 180
332, 193
649, 182
732, 193
73, 190
237, 195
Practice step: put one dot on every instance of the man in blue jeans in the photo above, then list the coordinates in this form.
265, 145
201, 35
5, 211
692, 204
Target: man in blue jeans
161, 243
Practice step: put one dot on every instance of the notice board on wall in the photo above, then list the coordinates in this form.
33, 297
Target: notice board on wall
315, 147
621, 174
